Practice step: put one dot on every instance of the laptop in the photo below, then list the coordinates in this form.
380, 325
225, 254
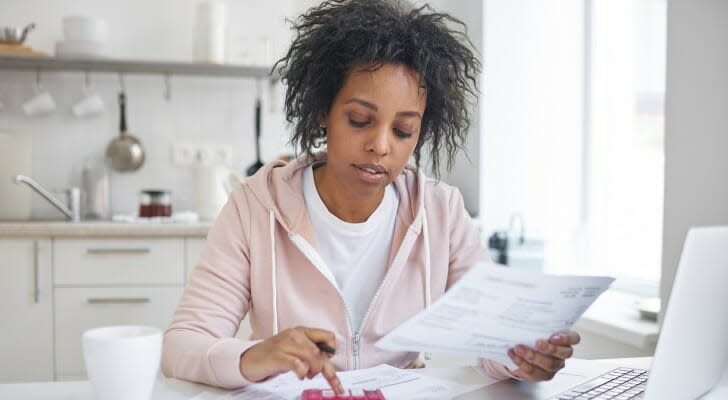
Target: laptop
692, 351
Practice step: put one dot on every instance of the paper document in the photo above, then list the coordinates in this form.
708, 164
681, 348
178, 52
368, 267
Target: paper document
493, 308
394, 383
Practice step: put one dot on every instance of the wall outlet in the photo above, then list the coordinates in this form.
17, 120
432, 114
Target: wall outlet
183, 154
195, 155
213, 154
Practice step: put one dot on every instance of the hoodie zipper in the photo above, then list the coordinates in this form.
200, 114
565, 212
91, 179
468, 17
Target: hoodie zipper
384, 282
310, 253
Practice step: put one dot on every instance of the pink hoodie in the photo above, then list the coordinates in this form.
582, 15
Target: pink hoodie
260, 259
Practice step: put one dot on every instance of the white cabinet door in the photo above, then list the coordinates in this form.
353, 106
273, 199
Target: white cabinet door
193, 249
26, 327
79, 309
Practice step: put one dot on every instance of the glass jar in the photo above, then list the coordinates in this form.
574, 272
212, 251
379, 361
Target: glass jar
155, 203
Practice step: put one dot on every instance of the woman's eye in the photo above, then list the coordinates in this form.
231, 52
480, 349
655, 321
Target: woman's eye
358, 124
401, 133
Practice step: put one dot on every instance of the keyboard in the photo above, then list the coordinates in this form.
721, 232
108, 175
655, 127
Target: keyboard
618, 384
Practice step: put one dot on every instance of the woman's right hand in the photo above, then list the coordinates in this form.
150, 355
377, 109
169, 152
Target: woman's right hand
291, 350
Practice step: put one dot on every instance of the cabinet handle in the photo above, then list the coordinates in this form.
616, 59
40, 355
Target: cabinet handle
36, 260
117, 251
118, 300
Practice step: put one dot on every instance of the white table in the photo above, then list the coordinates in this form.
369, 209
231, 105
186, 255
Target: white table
174, 389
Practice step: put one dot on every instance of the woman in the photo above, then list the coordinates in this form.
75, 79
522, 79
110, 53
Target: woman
340, 247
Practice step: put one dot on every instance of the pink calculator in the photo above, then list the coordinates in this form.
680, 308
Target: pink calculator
354, 394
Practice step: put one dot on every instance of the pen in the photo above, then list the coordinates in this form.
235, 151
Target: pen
326, 348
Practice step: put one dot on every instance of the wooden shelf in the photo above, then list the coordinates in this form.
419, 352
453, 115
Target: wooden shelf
35, 63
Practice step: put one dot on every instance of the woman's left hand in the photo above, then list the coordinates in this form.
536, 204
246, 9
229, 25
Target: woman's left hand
543, 362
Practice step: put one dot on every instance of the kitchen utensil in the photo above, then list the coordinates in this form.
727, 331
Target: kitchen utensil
15, 35
124, 153
258, 163
16, 157
213, 184
155, 203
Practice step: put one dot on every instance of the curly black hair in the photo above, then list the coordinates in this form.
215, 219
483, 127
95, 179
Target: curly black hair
339, 35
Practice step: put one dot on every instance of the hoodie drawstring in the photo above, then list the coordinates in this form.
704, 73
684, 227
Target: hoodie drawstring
426, 237
272, 220
428, 285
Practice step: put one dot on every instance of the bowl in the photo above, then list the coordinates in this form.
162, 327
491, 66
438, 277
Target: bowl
77, 28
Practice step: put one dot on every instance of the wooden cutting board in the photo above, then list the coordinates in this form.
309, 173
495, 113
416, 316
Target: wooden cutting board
18, 49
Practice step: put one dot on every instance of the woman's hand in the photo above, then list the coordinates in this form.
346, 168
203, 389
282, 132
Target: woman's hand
291, 350
543, 362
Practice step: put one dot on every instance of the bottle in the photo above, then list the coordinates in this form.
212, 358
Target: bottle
96, 187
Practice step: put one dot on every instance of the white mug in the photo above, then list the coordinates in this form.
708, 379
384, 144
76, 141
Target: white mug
122, 362
91, 104
41, 103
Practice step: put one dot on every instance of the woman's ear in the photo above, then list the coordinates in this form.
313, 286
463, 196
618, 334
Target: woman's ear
322, 120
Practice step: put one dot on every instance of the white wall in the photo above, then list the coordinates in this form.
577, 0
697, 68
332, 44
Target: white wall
696, 124
202, 110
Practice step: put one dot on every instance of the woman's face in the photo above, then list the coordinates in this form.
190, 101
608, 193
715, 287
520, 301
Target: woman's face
373, 127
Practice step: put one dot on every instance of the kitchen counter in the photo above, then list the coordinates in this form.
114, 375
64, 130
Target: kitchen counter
97, 229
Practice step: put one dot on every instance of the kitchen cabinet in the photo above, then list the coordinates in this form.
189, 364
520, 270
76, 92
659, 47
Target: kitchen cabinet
53, 289
26, 308
79, 309
101, 282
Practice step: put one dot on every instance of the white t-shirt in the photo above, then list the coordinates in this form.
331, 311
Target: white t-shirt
355, 253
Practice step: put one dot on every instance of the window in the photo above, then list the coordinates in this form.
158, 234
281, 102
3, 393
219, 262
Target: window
572, 112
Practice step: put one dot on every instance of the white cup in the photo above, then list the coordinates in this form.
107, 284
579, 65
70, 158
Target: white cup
91, 104
41, 103
122, 362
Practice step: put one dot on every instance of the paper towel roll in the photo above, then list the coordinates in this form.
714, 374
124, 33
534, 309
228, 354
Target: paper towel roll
210, 31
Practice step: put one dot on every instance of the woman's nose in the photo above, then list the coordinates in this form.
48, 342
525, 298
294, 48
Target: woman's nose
378, 142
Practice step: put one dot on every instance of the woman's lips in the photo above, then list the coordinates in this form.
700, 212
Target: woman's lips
370, 173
